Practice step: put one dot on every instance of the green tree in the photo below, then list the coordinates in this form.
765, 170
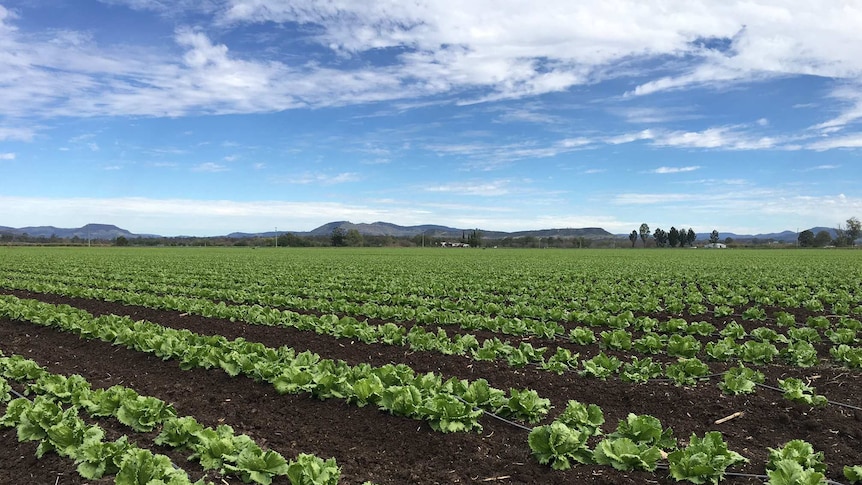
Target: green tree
806, 238
338, 236
644, 233
713, 236
121, 241
690, 236
661, 237
673, 236
354, 238
853, 231
822, 238
633, 237
475, 239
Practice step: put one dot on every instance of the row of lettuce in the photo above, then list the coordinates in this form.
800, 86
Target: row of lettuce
675, 336
641, 443
52, 418
687, 369
49, 413
545, 322
447, 406
444, 288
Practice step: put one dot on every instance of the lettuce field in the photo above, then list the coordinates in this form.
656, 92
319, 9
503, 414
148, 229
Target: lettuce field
392, 366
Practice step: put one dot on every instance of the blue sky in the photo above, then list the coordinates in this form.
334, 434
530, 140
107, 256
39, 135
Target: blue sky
207, 117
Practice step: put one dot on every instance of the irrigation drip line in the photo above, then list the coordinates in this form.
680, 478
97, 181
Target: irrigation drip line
489, 413
848, 406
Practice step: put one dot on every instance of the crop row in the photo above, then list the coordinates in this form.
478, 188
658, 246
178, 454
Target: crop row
51, 418
565, 294
641, 443
675, 336
447, 406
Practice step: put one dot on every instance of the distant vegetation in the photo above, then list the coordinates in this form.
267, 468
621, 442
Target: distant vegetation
345, 234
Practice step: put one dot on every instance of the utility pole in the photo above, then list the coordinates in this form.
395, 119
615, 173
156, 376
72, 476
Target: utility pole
276, 236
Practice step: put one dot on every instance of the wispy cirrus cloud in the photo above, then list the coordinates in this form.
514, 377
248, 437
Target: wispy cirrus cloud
319, 178
7, 156
666, 170
475, 188
819, 167
210, 167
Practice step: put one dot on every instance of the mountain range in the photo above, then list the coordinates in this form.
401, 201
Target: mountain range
108, 232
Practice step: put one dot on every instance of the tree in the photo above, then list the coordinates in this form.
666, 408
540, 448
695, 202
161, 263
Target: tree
633, 237
338, 235
644, 233
713, 236
690, 236
121, 241
475, 239
661, 237
853, 231
822, 238
673, 237
806, 238
353, 238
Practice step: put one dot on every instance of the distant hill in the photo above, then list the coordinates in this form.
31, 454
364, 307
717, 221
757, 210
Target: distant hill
109, 232
431, 230
784, 236
89, 231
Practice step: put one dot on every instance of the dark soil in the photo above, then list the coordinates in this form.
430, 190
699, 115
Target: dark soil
372, 445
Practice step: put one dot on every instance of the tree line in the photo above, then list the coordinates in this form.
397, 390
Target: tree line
845, 235
672, 238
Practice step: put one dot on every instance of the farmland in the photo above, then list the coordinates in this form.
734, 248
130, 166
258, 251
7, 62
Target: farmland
396, 364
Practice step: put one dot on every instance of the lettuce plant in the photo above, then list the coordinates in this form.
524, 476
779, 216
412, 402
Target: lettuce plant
848, 356
798, 451
311, 470
686, 372
740, 380
797, 391
800, 353
703, 460
789, 472
601, 366
586, 418
853, 473
682, 346
624, 454
559, 445
650, 343
582, 336
644, 429
760, 353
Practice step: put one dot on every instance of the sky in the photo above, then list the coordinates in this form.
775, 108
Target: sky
205, 117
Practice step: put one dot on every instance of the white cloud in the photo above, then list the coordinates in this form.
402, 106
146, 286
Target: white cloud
211, 167
827, 143
319, 178
506, 49
820, 167
20, 134
477, 188
663, 170
7, 156
722, 138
